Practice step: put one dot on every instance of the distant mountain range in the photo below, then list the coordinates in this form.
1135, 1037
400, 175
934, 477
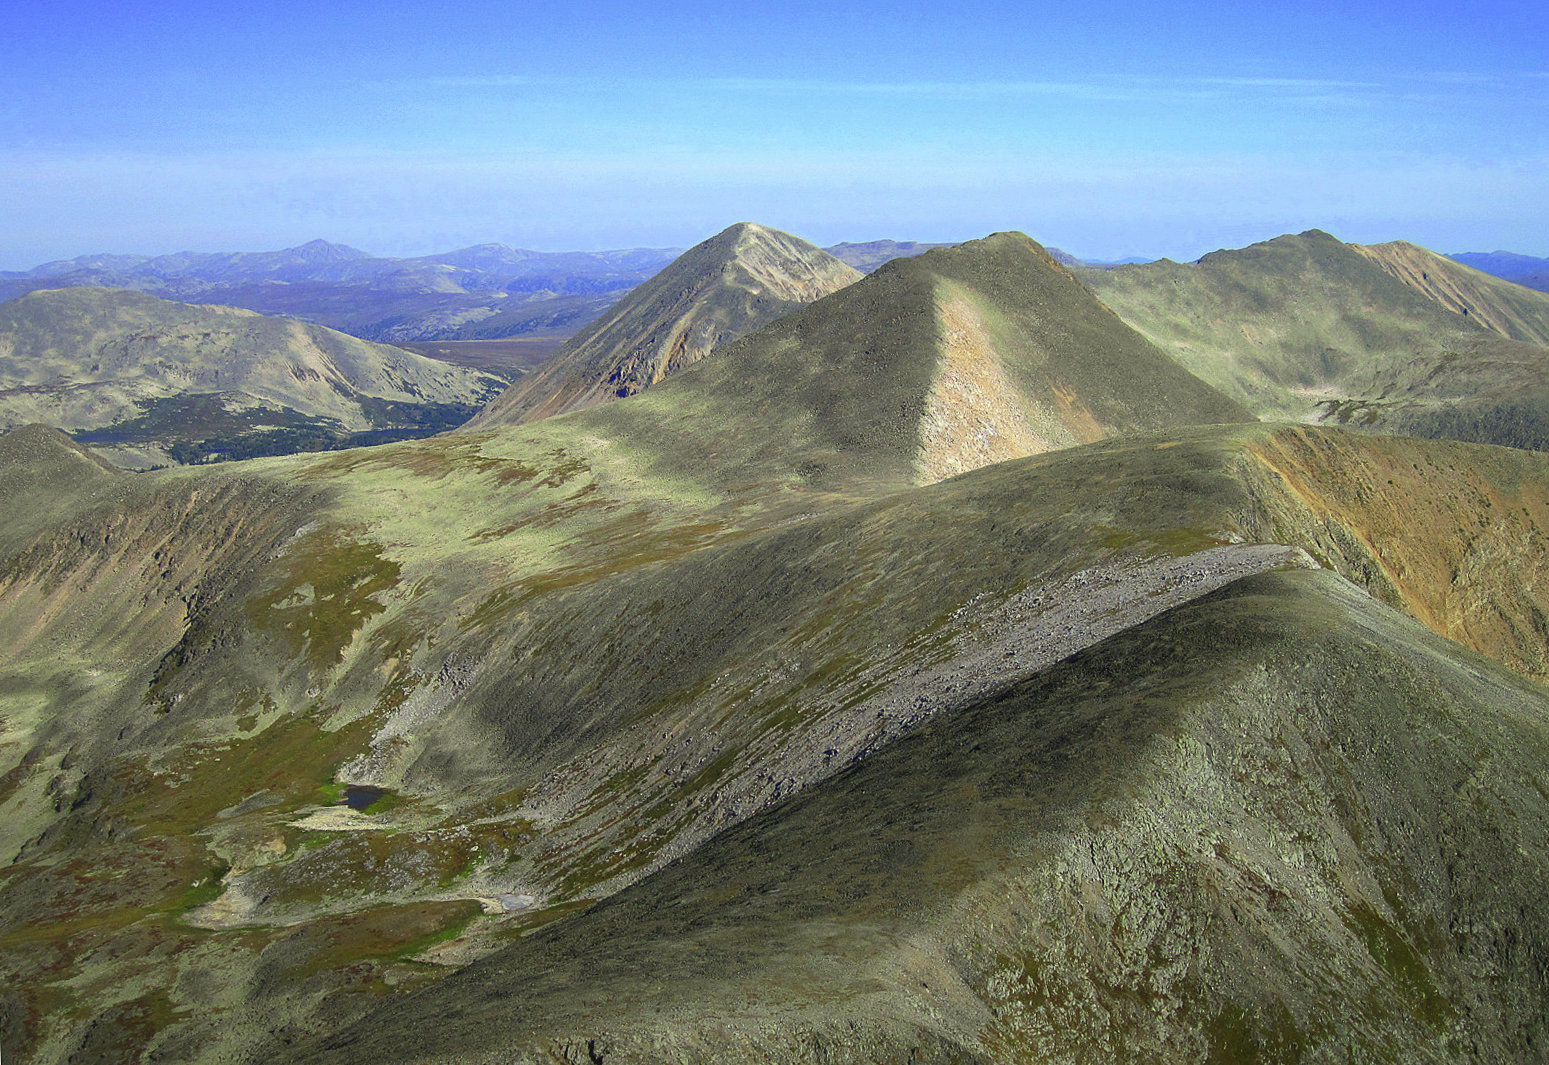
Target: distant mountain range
484, 292
1521, 269
488, 291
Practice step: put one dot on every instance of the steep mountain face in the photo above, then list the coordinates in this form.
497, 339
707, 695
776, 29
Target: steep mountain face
928, 367
1508, 309
717, 291
152, 379
1308, 328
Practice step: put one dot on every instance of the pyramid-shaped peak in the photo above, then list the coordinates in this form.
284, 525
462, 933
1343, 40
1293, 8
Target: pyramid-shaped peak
719, 290
750, 238
928, 367
1008, 253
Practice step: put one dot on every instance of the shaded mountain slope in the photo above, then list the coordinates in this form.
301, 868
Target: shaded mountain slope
928, 367
144, 374
1230, 834
569, 672
1308, 328
715, 292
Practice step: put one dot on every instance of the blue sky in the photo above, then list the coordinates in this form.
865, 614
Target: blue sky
1106, 129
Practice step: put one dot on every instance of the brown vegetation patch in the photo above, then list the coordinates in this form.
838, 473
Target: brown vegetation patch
1455, 535
388, 933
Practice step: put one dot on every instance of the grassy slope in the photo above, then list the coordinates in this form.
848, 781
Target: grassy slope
836, 395
90, 359
599, 671
1231, 834
1307, 328
1511, 310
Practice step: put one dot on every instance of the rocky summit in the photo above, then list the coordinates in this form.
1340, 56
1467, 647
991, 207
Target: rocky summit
938, 672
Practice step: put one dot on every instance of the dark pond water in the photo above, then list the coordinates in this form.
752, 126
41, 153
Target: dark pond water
359, 796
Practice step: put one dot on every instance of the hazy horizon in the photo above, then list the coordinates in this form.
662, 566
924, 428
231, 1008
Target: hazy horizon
1130, 131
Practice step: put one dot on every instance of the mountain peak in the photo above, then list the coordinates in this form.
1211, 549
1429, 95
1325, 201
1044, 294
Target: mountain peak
927, 368
743, 230
721, 289
324, 251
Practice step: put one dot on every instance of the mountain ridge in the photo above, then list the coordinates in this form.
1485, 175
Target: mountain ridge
471, 292
1307, 328
139, 374
914, 679
929, 366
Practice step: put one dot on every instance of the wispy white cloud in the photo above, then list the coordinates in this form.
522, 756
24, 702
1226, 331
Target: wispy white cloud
1456, 77
1288, 83
1098, 202
1123, 88
486, 81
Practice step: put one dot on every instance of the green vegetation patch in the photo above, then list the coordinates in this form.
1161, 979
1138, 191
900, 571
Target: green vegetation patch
436, 458
1402, 963
324, 595
347, 865
1239, 1037
294, 758
528, 923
